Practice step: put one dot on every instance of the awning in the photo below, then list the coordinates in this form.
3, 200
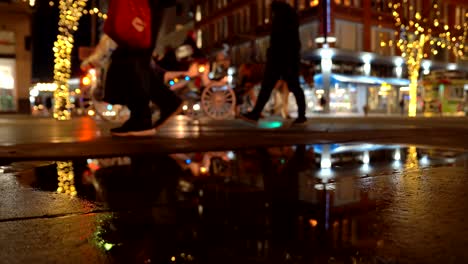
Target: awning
360, 79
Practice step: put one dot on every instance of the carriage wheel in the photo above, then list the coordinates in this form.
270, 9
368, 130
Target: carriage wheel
218, 102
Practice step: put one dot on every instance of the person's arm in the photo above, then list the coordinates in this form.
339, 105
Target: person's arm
104, 48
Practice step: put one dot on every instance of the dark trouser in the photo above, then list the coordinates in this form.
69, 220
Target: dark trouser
132, 82
273, 73
160, 93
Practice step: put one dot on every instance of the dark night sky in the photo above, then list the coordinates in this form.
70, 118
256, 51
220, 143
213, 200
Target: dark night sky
44, 33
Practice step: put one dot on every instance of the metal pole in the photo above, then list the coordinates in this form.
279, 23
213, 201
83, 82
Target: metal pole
325, 21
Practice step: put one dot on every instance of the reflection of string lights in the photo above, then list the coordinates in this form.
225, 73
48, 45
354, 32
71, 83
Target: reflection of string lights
66, 178
412, 158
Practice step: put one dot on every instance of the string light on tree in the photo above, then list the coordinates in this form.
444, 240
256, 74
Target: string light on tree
421, 31
70, 13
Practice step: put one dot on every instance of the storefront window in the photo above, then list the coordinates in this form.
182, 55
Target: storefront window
343, 98
382, 99
7, 85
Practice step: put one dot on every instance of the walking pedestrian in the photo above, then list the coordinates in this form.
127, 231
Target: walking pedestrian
131, 80
283, 61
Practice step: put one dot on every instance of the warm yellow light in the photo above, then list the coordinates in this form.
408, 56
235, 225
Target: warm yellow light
313, 222
86, 81
203, 170
78, 91
91, 112
313, 3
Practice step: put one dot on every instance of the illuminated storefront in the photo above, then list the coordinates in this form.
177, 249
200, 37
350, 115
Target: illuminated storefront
7, 71
349, 94
15, 56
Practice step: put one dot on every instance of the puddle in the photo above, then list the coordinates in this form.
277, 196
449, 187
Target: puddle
333, 203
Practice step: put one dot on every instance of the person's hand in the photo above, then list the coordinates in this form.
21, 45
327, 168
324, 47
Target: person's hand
86, 65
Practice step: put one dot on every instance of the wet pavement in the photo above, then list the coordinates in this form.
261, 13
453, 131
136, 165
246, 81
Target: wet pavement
29, 138
376, 204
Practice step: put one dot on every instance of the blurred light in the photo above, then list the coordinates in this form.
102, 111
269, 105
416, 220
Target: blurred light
200, 209
91, 112
86, 81
109, 107
185, 107
201, 69
108, 246
171, 82
173, 259
34, 92
424, 161
325, 163
399, 71
187, 78
426, 67
366, 58
396, 164
397, 155
196, 107
330, 39
398, 61
203, 170
366, 158
231, 71
231, 155
188, 161
270, 124
452, 67
326, 53
77, 90
365, 167
404, 89
313, 222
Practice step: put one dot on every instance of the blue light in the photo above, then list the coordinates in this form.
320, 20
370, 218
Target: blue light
188, 161
109, 107
187, 78
171, 82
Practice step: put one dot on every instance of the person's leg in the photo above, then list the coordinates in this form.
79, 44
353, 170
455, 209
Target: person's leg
293, 85
285, 101
136, 80
277, 97
168, 102
270, 78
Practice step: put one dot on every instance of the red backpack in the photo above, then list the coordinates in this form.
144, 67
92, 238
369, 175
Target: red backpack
129, 23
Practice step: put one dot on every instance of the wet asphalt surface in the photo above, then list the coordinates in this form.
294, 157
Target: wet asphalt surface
264, 205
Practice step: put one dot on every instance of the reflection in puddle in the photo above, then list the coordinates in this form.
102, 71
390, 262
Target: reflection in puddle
299, 204
66, 178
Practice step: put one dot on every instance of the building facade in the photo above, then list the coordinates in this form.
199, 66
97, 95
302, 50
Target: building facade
361, 66
15, 56
177, 22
